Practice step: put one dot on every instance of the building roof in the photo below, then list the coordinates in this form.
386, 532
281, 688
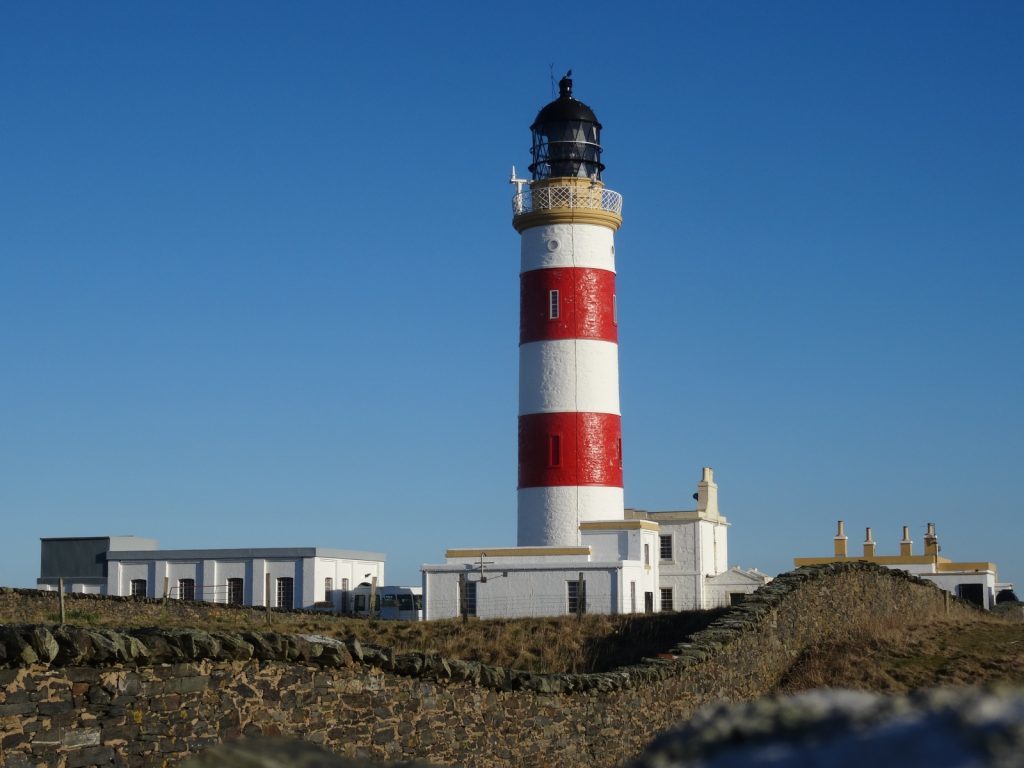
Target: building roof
269, 553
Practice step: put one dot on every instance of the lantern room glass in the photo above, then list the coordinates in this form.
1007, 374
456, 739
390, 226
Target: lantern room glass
567, 148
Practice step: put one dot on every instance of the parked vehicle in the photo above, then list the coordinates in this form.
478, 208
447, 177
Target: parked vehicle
392, 603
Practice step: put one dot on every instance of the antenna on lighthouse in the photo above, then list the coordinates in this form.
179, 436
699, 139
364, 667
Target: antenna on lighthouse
513, 179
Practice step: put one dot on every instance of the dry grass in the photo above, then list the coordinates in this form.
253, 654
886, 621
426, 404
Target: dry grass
564, 644
887, 659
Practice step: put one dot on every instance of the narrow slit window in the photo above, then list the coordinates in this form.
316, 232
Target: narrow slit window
618, 451
554, 450
553, 305
615, 309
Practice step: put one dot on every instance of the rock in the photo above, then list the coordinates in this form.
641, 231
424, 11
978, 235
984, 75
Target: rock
941, 728
279, 753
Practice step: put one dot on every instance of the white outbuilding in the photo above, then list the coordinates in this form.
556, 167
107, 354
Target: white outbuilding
278, 577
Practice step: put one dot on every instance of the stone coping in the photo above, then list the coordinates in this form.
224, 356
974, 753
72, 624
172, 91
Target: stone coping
69, 646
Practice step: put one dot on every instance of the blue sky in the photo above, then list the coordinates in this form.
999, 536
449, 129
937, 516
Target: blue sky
259, 284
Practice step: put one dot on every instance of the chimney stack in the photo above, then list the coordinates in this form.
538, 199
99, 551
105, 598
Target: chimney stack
906, 545
840, 540
869, 544
931, 542
707, 493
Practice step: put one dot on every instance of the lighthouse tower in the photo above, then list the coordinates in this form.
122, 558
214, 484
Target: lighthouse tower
570, 432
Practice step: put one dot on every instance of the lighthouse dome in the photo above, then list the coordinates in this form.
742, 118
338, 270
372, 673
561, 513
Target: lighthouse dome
566, 138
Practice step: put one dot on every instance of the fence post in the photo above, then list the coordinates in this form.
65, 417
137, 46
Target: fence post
463, 603
60, 589
167, 588
580, 596
266, 597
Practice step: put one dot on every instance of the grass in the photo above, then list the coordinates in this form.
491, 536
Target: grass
982, 649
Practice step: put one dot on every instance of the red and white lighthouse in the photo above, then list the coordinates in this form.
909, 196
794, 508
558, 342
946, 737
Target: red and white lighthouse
570, 432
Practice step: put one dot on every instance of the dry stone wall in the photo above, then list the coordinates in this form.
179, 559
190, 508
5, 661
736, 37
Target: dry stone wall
71, 696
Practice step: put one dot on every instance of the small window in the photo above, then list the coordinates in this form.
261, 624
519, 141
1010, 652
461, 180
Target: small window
665, 544
647, 554
615, 309
735, 598
344, 595
286, 592
553, 307
235, 596
328, 590
186, 589
666, 598
405, 602
388, 600
618, 451
574, 602
554, 450
470, 606
360, 603
138, 587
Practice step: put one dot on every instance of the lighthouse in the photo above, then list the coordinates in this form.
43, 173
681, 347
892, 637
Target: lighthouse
570, 430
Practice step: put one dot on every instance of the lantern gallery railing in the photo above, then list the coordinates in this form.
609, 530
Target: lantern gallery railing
547, 197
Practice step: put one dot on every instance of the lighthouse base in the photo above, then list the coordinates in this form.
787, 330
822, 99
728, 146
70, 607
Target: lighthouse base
550, 516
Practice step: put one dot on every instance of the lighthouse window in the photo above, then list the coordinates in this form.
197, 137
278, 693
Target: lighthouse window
554, 450
615, 309
553, 305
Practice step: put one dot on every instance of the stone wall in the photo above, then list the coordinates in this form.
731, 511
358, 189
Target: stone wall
78, 697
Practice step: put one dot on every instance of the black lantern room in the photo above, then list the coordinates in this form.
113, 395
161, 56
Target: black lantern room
566, 138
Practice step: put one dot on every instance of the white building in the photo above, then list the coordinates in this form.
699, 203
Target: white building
693, 555
651, 561
278, 577
616, 560
976, 582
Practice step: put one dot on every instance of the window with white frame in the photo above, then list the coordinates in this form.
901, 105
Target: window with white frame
328, 590
575, 602
665, 545
553, 305
235, 594
138, 588
647, 554
286, 592
186, 589
470, 604
666, 598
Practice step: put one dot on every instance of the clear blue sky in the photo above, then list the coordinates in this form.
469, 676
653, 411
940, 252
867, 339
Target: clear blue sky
259, 283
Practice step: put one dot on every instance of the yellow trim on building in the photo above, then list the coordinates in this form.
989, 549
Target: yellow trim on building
680, 516
619, 525
517, 552
948, 566
877, 559
541, 218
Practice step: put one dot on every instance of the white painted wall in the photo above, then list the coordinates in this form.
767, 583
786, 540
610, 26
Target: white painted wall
513, 591
551, 516
211, 576
567, 245
569, 375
